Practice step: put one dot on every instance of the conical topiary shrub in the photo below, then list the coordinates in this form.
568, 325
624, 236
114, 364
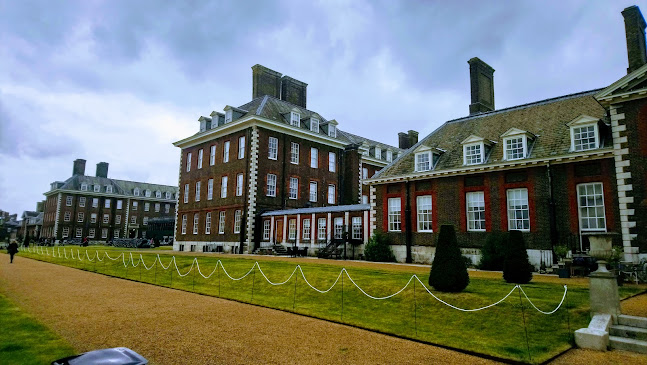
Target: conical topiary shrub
448, 271
516, 267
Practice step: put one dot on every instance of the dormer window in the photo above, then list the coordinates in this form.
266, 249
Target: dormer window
84, 187
229, 113
97, 188
314, 125
136, 192
295, 119
474, 150
332, 131
158, 194
389, 155
168, 195
515, 144
378, 153
426, 158
147, 193
108, 188
585, 133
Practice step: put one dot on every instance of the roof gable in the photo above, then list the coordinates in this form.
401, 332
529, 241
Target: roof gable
581, 120
633, 84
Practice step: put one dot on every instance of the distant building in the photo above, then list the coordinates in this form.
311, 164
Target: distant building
32, 222
272, 154
103, 208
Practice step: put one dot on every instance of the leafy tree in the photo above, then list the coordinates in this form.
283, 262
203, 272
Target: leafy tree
493, 252
378, 248
517, 268
448, 271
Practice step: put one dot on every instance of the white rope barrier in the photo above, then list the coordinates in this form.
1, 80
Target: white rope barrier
195, 265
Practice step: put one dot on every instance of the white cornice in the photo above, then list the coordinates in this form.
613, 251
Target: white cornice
506, 165
607, 93
109, 195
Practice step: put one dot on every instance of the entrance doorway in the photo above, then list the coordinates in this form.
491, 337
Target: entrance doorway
278, 235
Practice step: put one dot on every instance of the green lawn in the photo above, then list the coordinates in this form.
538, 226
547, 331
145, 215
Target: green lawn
498, 331
23, 340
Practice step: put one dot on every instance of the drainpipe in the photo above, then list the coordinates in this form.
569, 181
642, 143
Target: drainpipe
554, 235
407, 221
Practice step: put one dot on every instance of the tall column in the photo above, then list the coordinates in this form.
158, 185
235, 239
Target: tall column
312, 229
272, 230
298, 229
285, 227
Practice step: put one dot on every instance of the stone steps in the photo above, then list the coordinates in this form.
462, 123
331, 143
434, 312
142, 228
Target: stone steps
628, 344
632, 321
635, 333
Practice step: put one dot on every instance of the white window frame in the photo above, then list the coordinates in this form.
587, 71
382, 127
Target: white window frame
95, 202
167, 208
198, 185
241, 147
108, 188
594, 191
389, 156
91, 233
294, 153
223, 186
135, 205
332, 162
422, 165
104, 232
238, 214
207, 223
313, 191
378, 153
331, 194
158, 194
225, 152
93, 217
332, 130
157, 207
136, 192
196, 222
306, 229
84, 187
167, 195
357, 228
186, 193
314, 125
147, 193
294, 188
188, 168
82, 202
145, 221
97, 188
133, 219
596, 137
513, 220
364, 173
295, 119
106, 218
147, 206
120, 204
314, 157
424, 217
394, 214
229, 115
212, 155
266, 229
66, 232
68, 200
473, 158
292, 229
200, 155
338, 227
115, 233
475, 211
79, 232
239, 184
221, 222
271, 185
118, 219
272, 148
210, 189
507, 150
183, 223
321, 229
80, 217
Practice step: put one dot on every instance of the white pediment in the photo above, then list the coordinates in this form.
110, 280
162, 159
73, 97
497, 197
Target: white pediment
516, 132
622, 86
582, 120
473, 139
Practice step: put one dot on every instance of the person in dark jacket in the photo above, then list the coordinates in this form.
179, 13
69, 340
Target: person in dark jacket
12, 250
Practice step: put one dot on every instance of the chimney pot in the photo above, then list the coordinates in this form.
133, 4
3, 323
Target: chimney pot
635, 35
79, 167
482, 86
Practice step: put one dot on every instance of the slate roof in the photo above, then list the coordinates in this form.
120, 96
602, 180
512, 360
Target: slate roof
545, 119
119, 187
278, 110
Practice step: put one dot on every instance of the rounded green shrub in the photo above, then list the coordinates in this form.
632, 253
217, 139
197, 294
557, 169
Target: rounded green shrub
448, 271
378, 249
493, 252
517, 268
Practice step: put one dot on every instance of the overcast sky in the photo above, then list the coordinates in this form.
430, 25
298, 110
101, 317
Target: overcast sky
120, 81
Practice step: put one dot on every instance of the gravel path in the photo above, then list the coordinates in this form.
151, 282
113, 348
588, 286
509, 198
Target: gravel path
173, 327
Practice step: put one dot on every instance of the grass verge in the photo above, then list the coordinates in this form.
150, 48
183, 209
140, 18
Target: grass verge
23, 340
512, 330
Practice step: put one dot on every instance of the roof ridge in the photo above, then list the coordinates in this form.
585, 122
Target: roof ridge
523, 106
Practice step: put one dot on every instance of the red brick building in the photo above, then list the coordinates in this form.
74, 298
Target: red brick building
103, 208
271, 154
557, 169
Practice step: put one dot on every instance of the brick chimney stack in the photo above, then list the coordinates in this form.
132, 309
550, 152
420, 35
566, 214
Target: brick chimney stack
407, 140
635, 34
482, 86
102, 169
294, 91
265, 82
79, 167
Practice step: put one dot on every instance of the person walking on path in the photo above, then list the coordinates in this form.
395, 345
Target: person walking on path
12, 250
